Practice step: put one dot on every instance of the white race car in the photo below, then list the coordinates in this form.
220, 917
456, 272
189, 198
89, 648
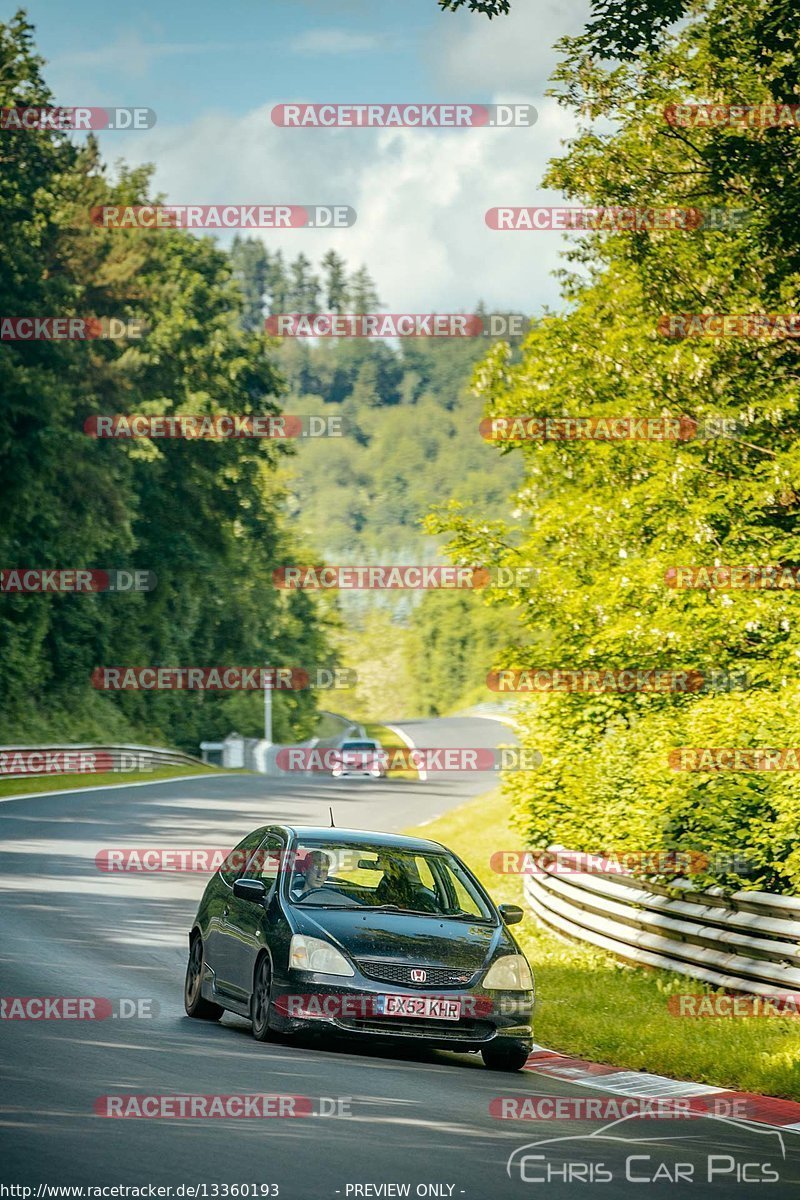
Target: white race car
361, 757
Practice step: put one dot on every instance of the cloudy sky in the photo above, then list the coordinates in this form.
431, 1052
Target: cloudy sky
213, 71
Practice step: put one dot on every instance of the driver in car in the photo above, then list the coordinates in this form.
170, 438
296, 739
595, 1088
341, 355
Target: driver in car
316, 867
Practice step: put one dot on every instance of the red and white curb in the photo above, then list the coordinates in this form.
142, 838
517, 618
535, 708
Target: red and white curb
762, 1110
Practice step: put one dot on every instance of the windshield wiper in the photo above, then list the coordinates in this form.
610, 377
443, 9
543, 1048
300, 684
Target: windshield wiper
425, 912
417, 912
463, 916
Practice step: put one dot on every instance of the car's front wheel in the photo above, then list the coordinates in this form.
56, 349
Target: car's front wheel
193, 1000
260, 1001
499, 1056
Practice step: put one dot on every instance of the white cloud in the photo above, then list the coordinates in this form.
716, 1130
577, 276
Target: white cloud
334, 41
517, 49
420, 196
130, 56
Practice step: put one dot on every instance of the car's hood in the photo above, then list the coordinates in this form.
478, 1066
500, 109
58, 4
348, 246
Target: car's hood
399, 937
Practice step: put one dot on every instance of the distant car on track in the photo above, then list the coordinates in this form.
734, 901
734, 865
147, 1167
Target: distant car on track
368, 935
358, 757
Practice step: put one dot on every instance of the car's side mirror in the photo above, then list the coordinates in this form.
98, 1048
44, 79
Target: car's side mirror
512, 914
249, 889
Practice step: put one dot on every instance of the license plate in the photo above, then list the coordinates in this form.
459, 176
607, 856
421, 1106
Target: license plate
418, 1006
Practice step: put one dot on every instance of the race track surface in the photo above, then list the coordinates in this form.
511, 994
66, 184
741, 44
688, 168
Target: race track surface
408, 1119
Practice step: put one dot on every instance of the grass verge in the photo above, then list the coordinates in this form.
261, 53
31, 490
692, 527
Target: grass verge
19, 786
594, 1006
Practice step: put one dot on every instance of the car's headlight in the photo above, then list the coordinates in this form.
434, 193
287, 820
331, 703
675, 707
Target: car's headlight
312, 954
510, 973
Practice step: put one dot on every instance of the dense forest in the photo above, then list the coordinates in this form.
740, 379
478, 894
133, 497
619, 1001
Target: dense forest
412, 416
608, 523
206, 518
210, 520
605, 524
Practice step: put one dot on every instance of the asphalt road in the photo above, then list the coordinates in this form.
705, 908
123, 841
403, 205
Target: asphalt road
417, 1120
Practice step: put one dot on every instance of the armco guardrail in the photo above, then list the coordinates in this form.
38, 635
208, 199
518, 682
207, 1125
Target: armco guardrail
746, 942
25, 762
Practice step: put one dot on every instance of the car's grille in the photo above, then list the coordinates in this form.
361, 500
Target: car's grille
391, 972
441, 1031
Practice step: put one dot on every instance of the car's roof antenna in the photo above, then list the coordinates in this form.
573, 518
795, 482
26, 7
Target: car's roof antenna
330, 810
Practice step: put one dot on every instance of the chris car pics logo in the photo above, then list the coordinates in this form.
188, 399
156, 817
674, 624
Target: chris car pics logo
577, 1158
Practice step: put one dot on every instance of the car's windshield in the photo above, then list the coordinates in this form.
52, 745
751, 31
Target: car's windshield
340, 875
362, 747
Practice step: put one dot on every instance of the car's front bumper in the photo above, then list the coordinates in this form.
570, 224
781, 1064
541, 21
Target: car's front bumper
308, 1002
356, 773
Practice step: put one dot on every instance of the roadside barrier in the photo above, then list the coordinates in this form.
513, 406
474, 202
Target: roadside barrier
744, 942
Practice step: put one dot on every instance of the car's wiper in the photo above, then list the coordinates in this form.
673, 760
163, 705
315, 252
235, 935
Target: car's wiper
462, 916
459, 915
417, 912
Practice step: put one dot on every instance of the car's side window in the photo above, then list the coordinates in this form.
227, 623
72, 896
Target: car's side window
265, 864
464, 900
424, 872
238, 858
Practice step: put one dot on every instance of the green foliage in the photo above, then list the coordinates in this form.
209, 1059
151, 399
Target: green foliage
490, 8
603, 522
619, 29
267, 282
411, 417
335, 282
412, 424
205, 517
251, 266
623, 29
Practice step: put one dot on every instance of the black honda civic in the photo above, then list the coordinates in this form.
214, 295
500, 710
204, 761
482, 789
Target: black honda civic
367, 935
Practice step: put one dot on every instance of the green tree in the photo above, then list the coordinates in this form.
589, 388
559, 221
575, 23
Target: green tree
303, 287
490, 8
277, 284
604, 522
250, 268
364, 297
206, 517
336, 297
